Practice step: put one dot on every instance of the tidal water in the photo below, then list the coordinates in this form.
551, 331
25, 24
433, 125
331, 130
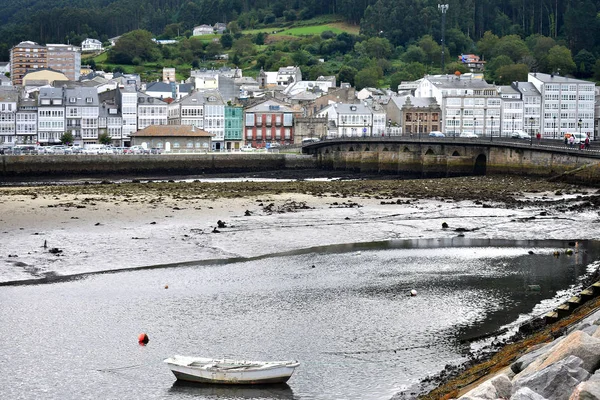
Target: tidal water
342, 311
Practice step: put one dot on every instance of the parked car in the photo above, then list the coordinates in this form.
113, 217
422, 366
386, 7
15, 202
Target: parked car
60, 149
247, 147
468, 135
105, 150
138, 150
155, 150
520, 135
436, 134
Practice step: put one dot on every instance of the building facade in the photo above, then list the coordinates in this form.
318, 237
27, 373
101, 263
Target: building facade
269, 122
568, 105
65, 58
26, 56
9, 98
51, 116
81, 114
234, 127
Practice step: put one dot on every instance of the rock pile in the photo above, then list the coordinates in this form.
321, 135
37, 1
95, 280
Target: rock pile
566, 369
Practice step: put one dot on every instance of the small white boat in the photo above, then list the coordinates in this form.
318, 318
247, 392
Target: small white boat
230, 372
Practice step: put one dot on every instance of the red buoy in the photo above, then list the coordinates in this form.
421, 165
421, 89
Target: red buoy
143, 338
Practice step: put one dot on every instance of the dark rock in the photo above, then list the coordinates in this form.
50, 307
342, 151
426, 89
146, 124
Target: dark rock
221, 224
55, 250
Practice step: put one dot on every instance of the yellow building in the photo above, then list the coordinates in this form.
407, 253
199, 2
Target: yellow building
44, 76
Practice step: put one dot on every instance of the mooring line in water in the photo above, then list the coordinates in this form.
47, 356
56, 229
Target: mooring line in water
346, 353
119, 368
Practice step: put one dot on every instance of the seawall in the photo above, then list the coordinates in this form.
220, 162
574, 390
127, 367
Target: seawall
190, 164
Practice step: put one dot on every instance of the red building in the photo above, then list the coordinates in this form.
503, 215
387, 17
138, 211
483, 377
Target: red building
269, 122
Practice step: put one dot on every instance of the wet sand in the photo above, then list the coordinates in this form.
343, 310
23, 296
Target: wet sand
70, 229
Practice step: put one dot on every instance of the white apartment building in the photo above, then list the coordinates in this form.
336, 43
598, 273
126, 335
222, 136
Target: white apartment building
204, 110
511, 112
81, 114
348, 120
9, 97
468, 104
51, 115
26, 125
127, 99
151, 111
111, 123
91, 45
568, 105
532, 106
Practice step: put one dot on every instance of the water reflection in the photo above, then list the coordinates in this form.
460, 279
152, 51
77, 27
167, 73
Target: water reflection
256, 392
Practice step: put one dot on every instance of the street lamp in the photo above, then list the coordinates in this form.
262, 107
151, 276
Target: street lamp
513, 118
443, 8
475, 125
419, 129
492, 132
454, 127
554, 125
579, 124
531, 131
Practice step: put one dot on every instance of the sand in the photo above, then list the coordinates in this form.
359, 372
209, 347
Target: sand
114, 226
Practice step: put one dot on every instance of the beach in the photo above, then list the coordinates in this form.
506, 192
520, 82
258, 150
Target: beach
107, 226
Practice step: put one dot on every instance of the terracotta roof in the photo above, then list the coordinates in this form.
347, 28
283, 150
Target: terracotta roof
172, 131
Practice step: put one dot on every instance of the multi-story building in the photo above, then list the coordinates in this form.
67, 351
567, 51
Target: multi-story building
532, 105
127, 101
568, 105
204, 110
91, 45
415, 115
269, 122
150, 111
26, 125
469, 104
81, 114
348, 120
511, 110
51, 115
111, 123
288, 75
234, 127
9, 97
26, 56
65, 58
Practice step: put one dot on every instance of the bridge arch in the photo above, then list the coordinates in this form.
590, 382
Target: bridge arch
480, 165
455, 154
430, 152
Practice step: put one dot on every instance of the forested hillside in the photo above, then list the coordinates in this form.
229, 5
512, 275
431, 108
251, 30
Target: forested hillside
513, 36
400, 21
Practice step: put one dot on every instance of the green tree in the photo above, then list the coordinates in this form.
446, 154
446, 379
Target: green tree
560, 60
67, 138
486, 46
243, 47
135, 44
233, 27
226, 40
452, 67
104, 138
414, 54
512, 73
346, 74
512, 46
585, 61
431, 48
493, 65
259, 38
597, 71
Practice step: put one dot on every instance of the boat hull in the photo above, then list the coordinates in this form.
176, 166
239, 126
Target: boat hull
231, 372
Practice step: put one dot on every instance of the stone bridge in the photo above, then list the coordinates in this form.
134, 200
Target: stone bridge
447, 157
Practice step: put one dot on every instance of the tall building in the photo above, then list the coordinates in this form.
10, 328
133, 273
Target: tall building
269, 121
9, 97
81, 112
24, 57
469, 104
127, 101
568, 104
51, 115
65, 58
234, 130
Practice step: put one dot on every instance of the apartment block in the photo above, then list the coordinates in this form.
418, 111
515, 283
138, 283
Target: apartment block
24, 57
66, 59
